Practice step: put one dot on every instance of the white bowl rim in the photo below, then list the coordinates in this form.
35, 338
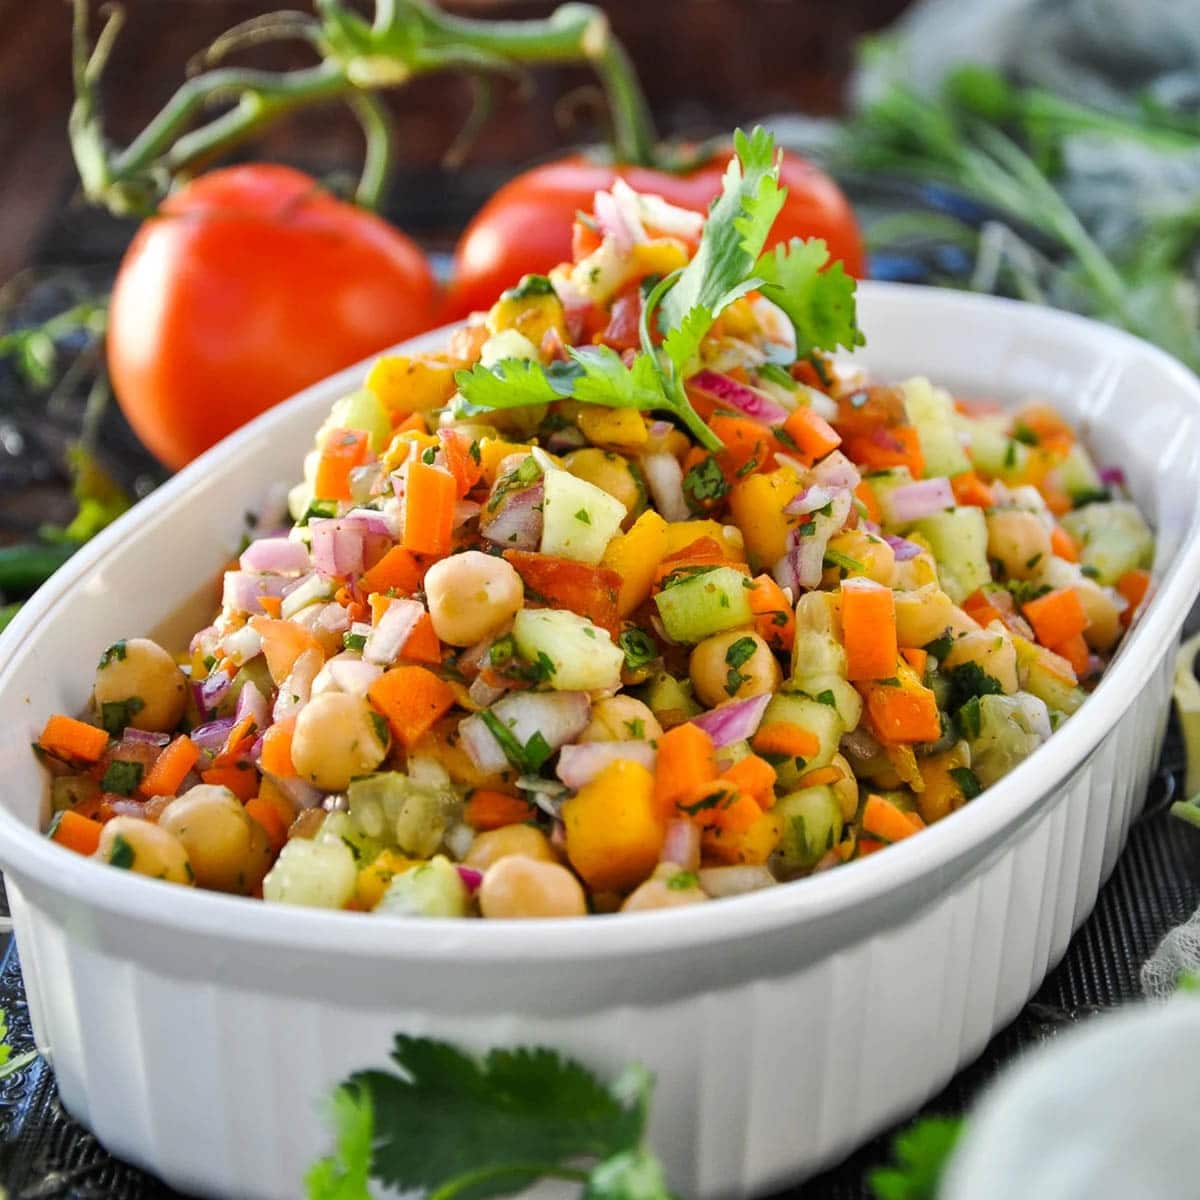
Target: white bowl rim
27, 853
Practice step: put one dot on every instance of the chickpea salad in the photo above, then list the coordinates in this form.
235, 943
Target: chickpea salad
632, 597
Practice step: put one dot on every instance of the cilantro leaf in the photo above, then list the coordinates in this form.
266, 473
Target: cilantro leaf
630, 1175
682, 343
921, 1153
455, 1126
344, 1174
513, 383
819, 304
607, 380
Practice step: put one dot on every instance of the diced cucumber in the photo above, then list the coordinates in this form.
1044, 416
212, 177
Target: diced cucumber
1010, 729
994, 452
816, 653
820, 719
432, 889
958, 539
578, 518
342, 827
1040, 681
846, 701
704, 604
1077, 474
811, 820
360, 410
313, 874
577, 655
67, 791
1114, 536
400, 812
505, 345
931, 410
669, 699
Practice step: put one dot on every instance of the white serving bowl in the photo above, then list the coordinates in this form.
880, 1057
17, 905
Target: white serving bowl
198, 1035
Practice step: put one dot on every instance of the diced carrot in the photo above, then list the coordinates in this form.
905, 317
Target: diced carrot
869, 846
1047, 426
970, 490
753, 776
1057, 616
1075, 651
1057, 501
821, 776
238, 740
242, 781
584, 239
412, 423
774, 620
397, 570
979, 607
75, 832
273, 823
902, 715
687, 761
868, 629
884, 448
170, 768
429, 498
487, 809
868, 409
344, 449
464, 466
592, 592
787, 739
1063, 544
883, 820
813, 435
422, 645
916, 658
1133, 585
748, 445
75, 741
737, 814
866, 493
277, 749
282, 643
412, 699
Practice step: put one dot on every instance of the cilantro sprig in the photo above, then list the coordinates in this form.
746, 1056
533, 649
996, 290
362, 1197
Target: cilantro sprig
457, 1127
729, 263
921, 1153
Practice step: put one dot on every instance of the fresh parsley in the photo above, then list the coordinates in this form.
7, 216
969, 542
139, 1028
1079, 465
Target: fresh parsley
122, 777
738, 654
117, 714
121, 853
704, 484
115, 653
639, 648
449, 1125
529, 758
354, 641
967, 780
968, 681
921, 1153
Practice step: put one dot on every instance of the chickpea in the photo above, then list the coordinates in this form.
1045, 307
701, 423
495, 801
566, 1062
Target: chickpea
992, 650
922, 615
525, 887
146, 848
1019, 541
1104, 620
733, 666
668, 887
140, 672
509, 841
916, 572
621, 719
472, 595
337, 737
228, 851
878, 559
613, 474
846, 788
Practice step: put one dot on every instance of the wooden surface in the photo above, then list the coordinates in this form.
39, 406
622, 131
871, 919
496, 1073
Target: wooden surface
705, 64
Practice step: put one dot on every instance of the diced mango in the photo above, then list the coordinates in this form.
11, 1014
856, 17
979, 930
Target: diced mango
754, 845
659, 257
635, 556
404, 384
612, 428
757, 505
531, 315
728, 537
374, 878
614, 830
493, 451
400, 449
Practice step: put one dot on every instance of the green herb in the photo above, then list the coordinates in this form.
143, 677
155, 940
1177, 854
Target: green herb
703, 484
429, 456
639, 648
382, 730
1010, 455
826, 697
843, 562
921, 1153
969, 718
115, 653
940, 646
122, 777
528, 758
545, 664
713, 800
1030, 563
354, 641
1023, 434
121, 854
967, 780
1024, 590
1089, 571
681, 881
1094, 496
890, 681
683, 574
970, 680
528, 470
502, 650
320, 510
449, 1125
636, 728
530, 285
475, 453
117, 714
738, 654
776, 374
584, 516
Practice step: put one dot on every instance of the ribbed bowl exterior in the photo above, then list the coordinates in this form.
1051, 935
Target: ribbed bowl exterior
199, 1036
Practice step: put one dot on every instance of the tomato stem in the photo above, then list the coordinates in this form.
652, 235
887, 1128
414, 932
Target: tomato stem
406, 39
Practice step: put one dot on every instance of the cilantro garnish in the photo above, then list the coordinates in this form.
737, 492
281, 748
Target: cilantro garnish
584, 516
354, 641
970, 680
122, 777
639, 648
683, 880
115, 653
738, 654
449, 1125
776, 374
939, 647
818, 302
921, 1153
967, 780
843, 562
703, 484
826, 697
117, 714
969, 719
528, 758
122, 854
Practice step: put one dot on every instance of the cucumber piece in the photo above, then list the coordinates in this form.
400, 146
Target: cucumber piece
1077, 474
578, 518
847, 703
1010, 729
820, 719
932, 411
958, 539
669, 699
811, 820
704, 604
577, 655
1114, 536
401, 813
432, 889
994, 452
361, 410
884, 483
1040, 681
312, 874
342, 827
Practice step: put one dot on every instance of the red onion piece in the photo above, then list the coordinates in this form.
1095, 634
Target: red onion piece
755, 404
471, 878
579, 764
301, 793
802, 565
483, 749
214, 689
373, 520
808, 501
243, 592
664, 478
557, 716
615, 221
562, 440
252, 703
211, 737
681, 845
276, 555
387, 639
464, 511
904, 550
145, 737
338, 546
836, 471
296, 689
517, 523
735, 721
483, 693
916, 500
1112, 476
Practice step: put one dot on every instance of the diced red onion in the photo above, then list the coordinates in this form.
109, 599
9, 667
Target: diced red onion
720, 882
464, 511
1113, 476
836, 471
615, 221
558, 716
735, 721
474, 658
681, 845
579, 764
755, 404
204, 640
332, 618
664, 478
252, 703
913, 501
517, 524
808, 501
211, 737
373, 520
660, 429
337, 546
481, 747
296, 689
242, 645
352, 674
570, 438
804, 562
387, 639
243, 592
277, 555
255, 755
860, 744
903, 549
483, 693
214, 689
299, 791
146, 737
471, 878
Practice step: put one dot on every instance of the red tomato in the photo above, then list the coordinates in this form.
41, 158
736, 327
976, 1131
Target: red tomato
526, 226
252, 284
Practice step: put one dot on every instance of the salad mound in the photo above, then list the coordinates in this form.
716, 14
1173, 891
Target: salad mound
633, 597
